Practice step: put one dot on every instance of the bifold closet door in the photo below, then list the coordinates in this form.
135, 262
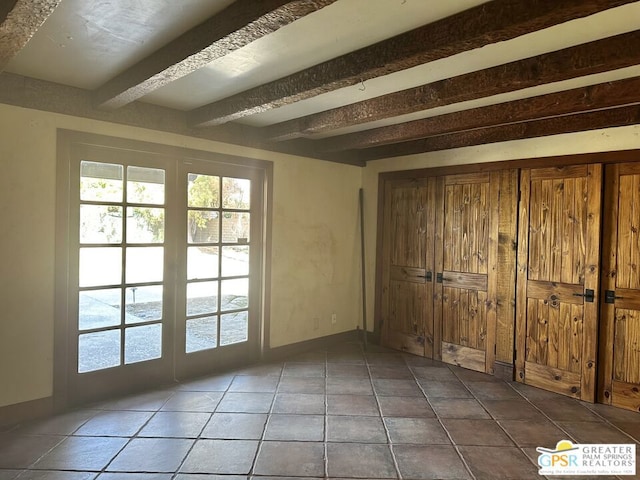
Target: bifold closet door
466, 251
620, 308
407, 292
557, 279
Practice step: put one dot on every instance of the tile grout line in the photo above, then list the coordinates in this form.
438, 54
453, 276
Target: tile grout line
455, 446
498, 421
199, 437
267, 421
384, 424
604, 419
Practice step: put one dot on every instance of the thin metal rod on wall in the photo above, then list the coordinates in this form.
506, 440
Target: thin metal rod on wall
364, 284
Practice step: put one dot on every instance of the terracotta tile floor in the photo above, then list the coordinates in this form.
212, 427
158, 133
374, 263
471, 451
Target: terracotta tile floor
338, 413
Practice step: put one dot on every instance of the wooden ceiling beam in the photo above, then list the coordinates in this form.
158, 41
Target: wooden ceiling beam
19, 21
584, 99
589, 58
492, 22
614, 117
32, 93
243, 22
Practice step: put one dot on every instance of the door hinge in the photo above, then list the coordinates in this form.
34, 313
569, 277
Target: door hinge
439, 277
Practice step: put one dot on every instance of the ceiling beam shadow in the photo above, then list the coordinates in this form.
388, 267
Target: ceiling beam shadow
584, 99
243, 22
492, 22
589, 58
614, 117
19, 21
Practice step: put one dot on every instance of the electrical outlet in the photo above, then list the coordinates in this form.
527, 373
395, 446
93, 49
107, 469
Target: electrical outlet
334, 319
316, 323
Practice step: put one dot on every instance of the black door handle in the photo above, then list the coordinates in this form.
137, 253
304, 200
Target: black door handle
589, 295
610, 296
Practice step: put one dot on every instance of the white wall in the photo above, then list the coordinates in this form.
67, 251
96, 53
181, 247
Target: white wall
611, 139
315, 249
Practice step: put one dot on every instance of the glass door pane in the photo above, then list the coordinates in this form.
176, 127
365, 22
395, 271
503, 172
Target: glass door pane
121, 262
220, 296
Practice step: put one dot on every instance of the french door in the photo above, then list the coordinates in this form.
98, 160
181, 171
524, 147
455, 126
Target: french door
164, 269
219, 266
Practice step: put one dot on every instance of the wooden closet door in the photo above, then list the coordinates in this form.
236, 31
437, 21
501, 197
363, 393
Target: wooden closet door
620, 310
557, 279
466, 248
407, 293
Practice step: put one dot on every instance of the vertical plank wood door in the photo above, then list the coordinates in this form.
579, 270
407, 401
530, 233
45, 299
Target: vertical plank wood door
466, 249
620, 308
407, 293
557, 279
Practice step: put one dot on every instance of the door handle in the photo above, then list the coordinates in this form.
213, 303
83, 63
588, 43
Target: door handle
589, 295
427, 276
610, 296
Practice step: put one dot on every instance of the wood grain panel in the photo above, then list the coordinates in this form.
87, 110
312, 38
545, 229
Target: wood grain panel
609, 274
634, 195
619, 344
626, 346
466, 225
568, 223
554, 292
577, 324
546, 228
532, 330
579, 240
408, 274
552, 333
506, 266
408, 226
625, 235
626, 395
556, 380
466, 178
415, 345
440, 245
592, 231
486, 225
446, 308
407, 308
564, 338
557, 231
535, 239
483, 326
463, 318
522, 352
473, 281
463, 356
627, 298
553, 173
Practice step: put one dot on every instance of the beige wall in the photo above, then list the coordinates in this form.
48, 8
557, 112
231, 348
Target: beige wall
315, 249
612, 139
315, 238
